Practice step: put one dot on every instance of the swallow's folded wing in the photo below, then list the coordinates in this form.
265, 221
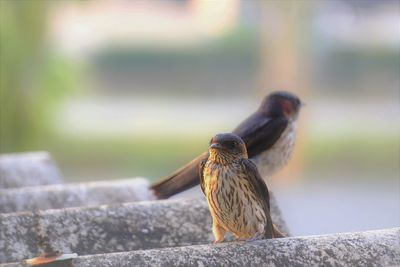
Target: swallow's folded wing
262, 193
260, 132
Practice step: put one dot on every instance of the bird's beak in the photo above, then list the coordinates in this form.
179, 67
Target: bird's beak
215, 145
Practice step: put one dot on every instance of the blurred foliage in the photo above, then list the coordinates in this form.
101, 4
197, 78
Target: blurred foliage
32, 79
83, 159
370, 155
155, 156
349, 71
228, 63
242, 44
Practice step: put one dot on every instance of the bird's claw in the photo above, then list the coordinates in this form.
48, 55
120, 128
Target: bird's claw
218, 241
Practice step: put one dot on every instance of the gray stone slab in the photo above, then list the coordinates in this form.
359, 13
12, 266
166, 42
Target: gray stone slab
28, 169
74, 195
371, 248
108, 228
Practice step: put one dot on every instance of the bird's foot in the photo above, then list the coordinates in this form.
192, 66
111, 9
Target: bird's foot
218, 241
254, 238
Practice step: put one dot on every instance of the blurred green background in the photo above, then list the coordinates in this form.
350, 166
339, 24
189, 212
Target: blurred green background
119, 89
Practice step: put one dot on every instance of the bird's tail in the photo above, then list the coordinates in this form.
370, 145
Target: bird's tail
181, 180
277, 232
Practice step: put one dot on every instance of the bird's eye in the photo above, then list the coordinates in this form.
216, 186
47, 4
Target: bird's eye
231, 144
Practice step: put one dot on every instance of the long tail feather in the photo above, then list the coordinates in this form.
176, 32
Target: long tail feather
181, 180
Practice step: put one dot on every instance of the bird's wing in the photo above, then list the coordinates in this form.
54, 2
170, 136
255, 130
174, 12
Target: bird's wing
182, 179
255, 179
201, 169
260, 132
261, 190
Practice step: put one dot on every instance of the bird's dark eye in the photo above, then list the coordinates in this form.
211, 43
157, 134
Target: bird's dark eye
230, 144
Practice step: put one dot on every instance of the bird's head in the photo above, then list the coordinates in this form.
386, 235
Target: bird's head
227, 146
281, 103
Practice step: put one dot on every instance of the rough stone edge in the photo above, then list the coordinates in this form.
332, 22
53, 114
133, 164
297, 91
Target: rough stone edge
16, 169
46, 223
26, 234
86, 194
372, 248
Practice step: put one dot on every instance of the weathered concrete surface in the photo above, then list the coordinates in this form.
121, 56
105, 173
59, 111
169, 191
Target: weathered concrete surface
375, 248
371, 248
74, 195
28, 169
105, 229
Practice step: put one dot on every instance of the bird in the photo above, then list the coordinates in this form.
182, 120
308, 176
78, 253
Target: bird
237, 196
269, 134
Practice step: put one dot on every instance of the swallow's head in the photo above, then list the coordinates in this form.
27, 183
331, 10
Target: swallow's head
227, 145
281, 103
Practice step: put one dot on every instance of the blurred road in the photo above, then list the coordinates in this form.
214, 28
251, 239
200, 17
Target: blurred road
325, 208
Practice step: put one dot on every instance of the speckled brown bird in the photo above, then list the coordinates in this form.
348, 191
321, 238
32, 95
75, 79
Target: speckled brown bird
236, 194
269, 135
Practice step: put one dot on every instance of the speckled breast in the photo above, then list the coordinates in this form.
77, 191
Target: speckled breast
232, 201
